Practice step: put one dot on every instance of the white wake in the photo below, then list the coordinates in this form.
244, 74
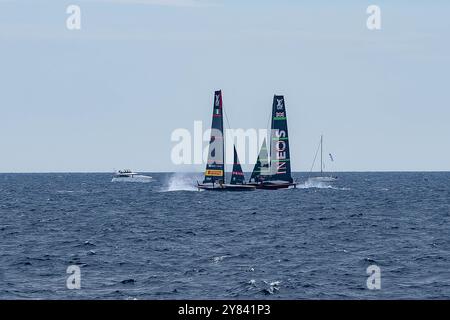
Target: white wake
314, 183
181, 182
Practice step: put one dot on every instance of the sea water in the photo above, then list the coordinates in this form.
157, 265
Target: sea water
165, 239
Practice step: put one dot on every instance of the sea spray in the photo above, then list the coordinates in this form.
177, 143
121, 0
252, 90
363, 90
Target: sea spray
313, 183
182, 182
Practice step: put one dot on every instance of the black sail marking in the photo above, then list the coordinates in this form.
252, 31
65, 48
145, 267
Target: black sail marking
237, 176
261, 168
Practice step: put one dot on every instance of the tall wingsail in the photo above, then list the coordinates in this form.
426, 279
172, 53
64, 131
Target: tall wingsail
280, 165
261, 168
237, 176
215, 169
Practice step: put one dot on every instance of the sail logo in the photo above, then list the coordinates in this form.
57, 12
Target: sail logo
217, 100
214, 173
280, 105
279, 152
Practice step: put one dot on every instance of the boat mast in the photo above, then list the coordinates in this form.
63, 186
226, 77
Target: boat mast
223, 137
321, 154
223, 152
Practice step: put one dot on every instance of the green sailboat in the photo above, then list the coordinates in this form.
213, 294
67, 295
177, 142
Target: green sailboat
276, 174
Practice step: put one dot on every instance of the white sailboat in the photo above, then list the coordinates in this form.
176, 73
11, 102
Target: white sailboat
323, 177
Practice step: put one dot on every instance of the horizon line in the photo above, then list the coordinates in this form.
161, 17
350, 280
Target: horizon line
198, 172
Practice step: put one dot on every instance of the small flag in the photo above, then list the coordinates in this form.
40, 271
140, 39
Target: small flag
331, 157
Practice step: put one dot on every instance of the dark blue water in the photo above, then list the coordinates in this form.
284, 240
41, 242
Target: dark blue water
150, 241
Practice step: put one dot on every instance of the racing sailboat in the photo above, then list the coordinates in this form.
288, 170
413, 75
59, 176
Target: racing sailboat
215, 168
279, 176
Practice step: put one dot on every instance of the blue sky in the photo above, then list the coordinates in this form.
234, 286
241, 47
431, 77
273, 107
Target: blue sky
110, 95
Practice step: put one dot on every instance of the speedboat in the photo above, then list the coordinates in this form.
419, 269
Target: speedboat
129, 176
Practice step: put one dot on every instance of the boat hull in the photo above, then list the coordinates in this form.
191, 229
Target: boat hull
274, 186
323, 179
135, 178
226, 187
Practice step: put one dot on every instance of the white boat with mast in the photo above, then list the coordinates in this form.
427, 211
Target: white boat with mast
323, 177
